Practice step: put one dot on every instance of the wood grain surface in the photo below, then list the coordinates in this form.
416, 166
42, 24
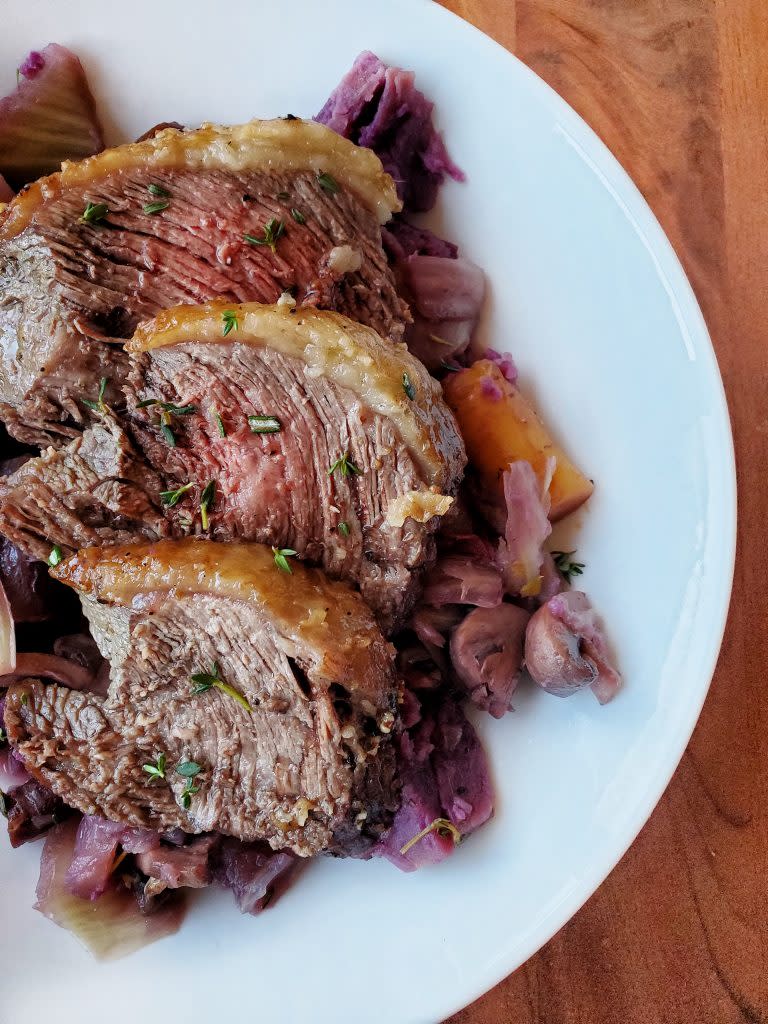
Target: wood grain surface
678, 89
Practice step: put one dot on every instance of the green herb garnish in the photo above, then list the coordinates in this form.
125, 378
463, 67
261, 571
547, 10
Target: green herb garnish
442, 826
298, 216
408, 387
202, 681
3, 738
328, 183
171, 498
158, 207
188, 770
345, 465
566, 566
229, 319
99, 405
93, 213
219, 421
281, 558
187, 793
283, 196
3, 804
207, 499
343, 529
55, 556
168, 410
156, 770
169, 407
264, 424
158, 190
273, 230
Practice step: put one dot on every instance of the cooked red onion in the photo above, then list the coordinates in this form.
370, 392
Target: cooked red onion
12, 771
112, 927
527, 527
49, 666
8, 658
446, 296
93, 857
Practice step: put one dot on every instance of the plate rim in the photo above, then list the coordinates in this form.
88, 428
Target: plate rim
693, 317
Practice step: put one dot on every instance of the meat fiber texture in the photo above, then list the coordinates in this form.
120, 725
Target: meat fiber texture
82, 262
343, 443
291, 734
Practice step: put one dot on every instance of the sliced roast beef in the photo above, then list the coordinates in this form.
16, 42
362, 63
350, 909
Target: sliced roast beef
243, 699
236, 214
290, 427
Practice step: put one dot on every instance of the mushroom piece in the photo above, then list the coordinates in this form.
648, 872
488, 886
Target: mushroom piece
566, 649
487, 654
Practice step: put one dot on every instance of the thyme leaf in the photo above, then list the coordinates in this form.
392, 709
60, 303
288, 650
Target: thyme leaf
281, 558
328, 183
99, 405
171, 498
203, 681
94, 213
229, 319
273, 230
156, 770
207, 499
158, 207
345, 466
566, 566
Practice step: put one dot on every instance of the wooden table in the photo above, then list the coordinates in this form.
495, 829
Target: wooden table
678, 89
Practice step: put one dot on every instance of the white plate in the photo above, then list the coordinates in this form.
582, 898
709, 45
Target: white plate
589, 296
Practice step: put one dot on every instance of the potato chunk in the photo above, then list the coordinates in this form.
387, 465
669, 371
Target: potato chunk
499, 426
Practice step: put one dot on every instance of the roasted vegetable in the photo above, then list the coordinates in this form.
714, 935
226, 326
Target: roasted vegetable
48, 118
499, 427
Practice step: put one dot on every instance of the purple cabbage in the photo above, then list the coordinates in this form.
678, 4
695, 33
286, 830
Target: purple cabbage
380, 107
461, 770
445, 775
255, 874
